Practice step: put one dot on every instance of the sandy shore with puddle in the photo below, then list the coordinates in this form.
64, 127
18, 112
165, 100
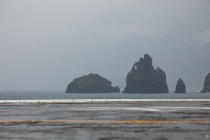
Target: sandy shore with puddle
120, 120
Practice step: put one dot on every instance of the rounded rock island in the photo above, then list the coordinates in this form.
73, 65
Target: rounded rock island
92, 83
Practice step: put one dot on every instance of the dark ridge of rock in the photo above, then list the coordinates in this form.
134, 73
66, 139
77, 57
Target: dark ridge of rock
92, 83
180, 87
143, 78
206, 85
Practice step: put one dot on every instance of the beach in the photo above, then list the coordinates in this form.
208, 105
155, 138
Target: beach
105, 120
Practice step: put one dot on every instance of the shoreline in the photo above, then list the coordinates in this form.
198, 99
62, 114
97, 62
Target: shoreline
101, 100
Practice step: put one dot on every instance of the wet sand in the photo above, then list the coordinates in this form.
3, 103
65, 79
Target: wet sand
156, 120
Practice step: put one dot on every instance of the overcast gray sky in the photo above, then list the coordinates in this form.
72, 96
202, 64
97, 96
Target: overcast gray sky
45, 44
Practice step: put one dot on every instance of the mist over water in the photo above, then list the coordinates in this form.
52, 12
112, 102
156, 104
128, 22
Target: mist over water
46, 44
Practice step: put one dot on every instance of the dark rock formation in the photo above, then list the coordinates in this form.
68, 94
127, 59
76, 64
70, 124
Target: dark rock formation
143, 78
180, 87
206, 85
92, 83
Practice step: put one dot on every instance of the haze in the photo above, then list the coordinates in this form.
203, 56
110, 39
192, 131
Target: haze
45, 44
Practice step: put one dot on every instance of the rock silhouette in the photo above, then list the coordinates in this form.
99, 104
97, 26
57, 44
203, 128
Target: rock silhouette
180, 87
92, 83
143, 78
206, 85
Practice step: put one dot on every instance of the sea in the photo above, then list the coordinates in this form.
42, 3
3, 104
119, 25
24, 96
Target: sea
41, 95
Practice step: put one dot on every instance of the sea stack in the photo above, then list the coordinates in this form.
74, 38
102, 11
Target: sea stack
180, 87
92, 83
143, 78
206, 85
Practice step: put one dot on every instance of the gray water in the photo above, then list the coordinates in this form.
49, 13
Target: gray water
33, 95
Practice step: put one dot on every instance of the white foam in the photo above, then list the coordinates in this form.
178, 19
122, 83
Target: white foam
98, 100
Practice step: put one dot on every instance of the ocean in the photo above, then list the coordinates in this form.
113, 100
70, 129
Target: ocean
39, 95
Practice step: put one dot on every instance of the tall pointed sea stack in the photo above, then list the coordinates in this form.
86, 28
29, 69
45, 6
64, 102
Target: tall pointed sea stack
206, 85
143, 78
180, 87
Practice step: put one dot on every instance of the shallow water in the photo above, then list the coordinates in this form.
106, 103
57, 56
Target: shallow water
32, 95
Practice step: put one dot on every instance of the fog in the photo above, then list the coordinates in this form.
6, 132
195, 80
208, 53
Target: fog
44, 45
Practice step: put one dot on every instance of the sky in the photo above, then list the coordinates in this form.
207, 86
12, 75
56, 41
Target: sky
45, 44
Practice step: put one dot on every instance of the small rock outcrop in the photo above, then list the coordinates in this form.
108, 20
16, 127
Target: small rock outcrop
143, 78
180, 87
92, 83
206, 85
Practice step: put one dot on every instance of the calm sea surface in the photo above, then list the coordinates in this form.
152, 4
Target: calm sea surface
33, 95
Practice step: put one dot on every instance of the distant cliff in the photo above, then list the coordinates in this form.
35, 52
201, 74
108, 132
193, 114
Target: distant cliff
92, 83
180, 87
143, 78
206, 85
